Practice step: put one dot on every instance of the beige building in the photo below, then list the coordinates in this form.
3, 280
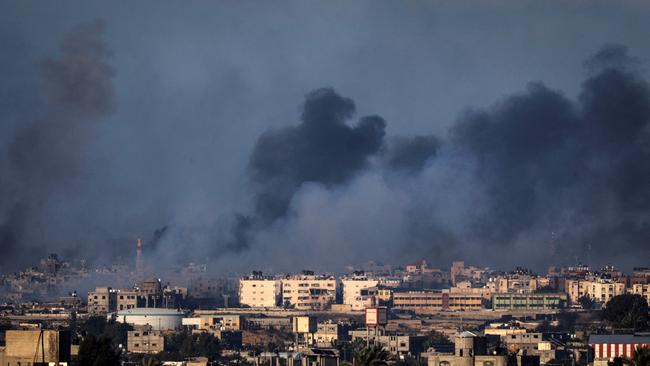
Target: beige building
207, 322
469, 350
465, 287
25, 347
145, 340
101, 301
356, 292
259, 292
600, 290
428, 302
521, 284
642, 289
126, 299
327, 333
309, 291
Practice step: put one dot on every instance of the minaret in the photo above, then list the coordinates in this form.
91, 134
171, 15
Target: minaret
138, 258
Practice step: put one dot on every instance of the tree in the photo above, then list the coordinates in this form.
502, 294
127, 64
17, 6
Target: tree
98, 352
641, 357
373, 355
435, 338
586, 302
627, 311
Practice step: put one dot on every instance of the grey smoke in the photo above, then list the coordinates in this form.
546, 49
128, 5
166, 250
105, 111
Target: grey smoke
46, 152
192, 97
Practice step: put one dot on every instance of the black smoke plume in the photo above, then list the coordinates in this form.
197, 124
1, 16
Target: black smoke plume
46, 152
323, 148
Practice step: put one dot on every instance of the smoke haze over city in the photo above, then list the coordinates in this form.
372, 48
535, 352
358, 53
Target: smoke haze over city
296, 135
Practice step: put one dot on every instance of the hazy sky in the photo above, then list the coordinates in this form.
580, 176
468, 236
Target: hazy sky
191, 87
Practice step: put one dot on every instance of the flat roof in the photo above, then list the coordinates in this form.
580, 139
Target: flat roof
619, 338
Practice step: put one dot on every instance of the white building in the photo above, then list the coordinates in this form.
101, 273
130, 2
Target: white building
355, 291
309, 291
258, 292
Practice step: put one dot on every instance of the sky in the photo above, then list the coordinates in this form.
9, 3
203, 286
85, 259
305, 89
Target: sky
290, 135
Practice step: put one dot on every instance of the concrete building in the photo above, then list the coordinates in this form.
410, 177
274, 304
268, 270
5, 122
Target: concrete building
27, 347
395, 343
257, 291
102, 301
532, 344
328, 333
429, 301
309, 291
214, 322
126, 299
469, 350
607, 347
145, 340
515, 301
642, 289
356, 291
599, 289
465, 287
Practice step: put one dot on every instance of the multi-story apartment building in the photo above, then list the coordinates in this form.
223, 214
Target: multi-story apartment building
427, 302
127, 299
598, 289
520, 283
642, 289
258, 291
309, 291
101, 301
356, 291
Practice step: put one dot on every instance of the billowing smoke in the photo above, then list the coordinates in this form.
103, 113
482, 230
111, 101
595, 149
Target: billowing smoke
537, 175
45, 154
323, 149
540, 176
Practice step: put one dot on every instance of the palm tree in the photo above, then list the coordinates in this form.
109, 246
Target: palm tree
374, 355
641, 357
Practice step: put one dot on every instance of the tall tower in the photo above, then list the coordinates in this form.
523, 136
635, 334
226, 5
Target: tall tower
138, 258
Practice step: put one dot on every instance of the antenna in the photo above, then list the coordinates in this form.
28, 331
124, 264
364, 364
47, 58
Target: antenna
138, 258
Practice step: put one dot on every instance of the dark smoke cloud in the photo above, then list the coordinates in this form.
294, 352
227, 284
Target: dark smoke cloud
410, 154
537, 174
323, 148
46, 153
546, 164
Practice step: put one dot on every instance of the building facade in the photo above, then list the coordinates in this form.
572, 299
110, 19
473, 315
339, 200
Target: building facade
258, 292
309, 291
356, 292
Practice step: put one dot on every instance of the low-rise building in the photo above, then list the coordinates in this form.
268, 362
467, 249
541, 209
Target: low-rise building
102, 301
642, 289
145, 340
514, 301
429, 301
27, 347
395, 343
607, 347
469, 350
598, 289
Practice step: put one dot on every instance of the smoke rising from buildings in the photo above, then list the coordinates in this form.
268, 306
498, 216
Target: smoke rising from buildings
212, 145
